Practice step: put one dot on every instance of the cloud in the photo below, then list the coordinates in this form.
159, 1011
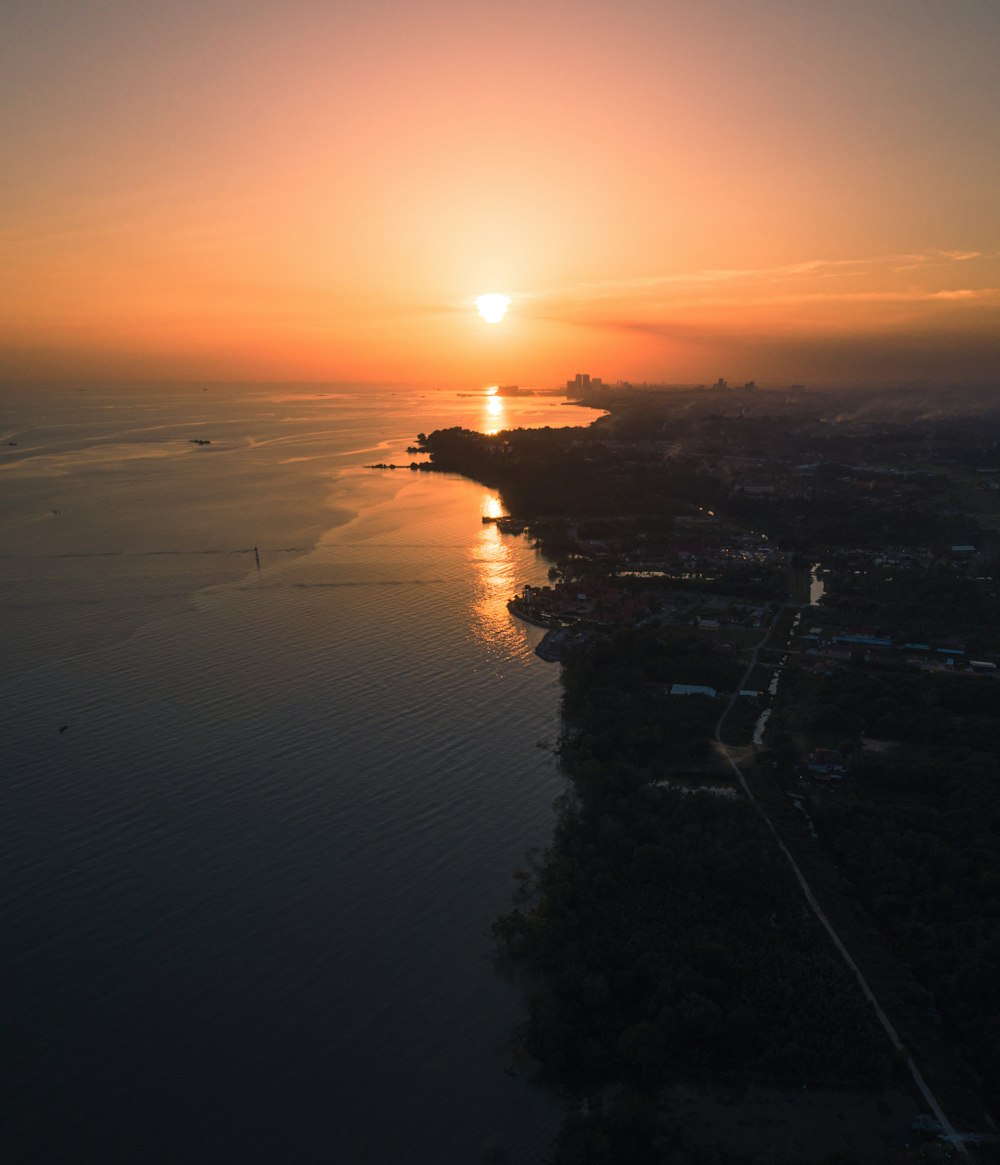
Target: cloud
796, 331
966, 293
714, 278
832, 297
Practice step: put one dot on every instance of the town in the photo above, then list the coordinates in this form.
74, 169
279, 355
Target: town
790, 593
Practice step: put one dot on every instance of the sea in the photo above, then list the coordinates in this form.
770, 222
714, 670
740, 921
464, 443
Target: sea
272, 750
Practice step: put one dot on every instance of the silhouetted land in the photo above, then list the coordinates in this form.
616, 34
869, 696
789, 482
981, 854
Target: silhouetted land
664, 934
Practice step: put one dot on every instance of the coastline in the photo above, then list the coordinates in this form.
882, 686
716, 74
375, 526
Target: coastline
542, 934
516, 609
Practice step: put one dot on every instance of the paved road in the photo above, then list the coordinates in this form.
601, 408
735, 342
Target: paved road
949, 1131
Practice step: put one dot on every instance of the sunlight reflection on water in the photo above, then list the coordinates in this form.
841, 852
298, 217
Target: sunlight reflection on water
493, 416
493, 563
491, 506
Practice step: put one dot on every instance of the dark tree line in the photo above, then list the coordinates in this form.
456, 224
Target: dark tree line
664, 933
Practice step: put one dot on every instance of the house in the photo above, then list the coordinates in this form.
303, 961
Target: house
825, 764
691, 690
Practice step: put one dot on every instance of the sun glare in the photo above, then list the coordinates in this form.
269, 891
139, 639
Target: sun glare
493, 307
491, 506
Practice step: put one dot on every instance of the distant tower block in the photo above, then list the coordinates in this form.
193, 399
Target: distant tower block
720, 384
582, 382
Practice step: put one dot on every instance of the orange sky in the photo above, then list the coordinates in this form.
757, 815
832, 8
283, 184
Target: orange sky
804, 190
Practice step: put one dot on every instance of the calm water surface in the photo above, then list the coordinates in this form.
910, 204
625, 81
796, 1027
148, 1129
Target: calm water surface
255, 823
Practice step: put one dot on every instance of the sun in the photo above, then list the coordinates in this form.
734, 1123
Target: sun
493, 307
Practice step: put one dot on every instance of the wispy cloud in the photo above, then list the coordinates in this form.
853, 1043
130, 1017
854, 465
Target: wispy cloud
818, 297
717, 278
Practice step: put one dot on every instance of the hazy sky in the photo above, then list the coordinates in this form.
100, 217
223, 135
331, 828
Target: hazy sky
239, 189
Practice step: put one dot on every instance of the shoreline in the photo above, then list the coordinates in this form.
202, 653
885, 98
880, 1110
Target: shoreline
515, 609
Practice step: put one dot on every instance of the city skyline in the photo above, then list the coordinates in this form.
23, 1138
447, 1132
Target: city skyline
785, 191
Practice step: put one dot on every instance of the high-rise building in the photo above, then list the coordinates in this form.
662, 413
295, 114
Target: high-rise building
581, 382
